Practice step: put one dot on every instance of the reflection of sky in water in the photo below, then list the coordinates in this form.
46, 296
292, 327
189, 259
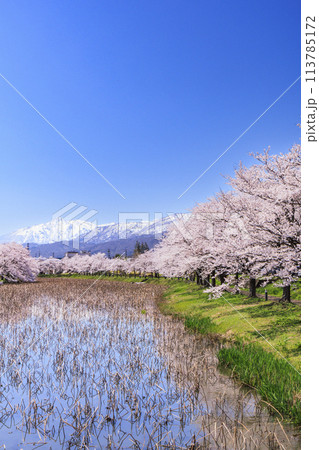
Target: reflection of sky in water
111, 374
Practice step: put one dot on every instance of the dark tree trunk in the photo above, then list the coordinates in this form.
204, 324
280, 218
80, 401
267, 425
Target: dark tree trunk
286, 294
213, 279
222, 278
252, 287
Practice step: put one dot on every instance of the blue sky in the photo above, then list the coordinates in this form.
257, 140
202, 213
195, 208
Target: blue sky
150, 92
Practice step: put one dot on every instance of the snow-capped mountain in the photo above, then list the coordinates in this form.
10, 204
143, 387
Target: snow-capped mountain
60, 230
46, 233
114, 231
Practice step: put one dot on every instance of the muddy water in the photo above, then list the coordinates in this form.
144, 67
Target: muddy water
86, 365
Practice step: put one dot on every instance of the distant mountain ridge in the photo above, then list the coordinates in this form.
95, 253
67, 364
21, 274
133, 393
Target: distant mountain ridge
49, 232
123, 247
58, 236
59, 230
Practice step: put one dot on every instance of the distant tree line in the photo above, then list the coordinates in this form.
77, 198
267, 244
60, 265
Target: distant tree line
140, 248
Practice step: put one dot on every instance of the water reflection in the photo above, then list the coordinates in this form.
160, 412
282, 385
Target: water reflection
102, 368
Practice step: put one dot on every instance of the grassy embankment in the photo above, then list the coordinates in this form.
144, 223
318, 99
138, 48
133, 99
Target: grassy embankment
268, 359
259, 334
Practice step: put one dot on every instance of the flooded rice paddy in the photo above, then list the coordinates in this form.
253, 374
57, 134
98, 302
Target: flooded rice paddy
94, 364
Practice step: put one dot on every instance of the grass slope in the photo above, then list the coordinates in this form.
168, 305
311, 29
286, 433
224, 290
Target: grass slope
258, 333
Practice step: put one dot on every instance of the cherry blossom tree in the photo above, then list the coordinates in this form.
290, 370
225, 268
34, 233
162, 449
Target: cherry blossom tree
50, 266
270, 204
16, 264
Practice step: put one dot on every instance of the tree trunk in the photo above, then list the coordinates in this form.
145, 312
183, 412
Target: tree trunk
222, 278
252, 287
286, 294
213, 279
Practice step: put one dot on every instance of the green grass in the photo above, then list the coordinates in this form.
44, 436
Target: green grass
256, 332
235, 317
274, 379
132, 279
202, 325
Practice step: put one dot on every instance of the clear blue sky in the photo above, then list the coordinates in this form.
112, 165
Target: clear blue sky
151, 92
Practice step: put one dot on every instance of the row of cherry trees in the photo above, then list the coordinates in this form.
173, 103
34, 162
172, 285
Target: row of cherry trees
240, 236
16, 264
250, 232
97, 264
